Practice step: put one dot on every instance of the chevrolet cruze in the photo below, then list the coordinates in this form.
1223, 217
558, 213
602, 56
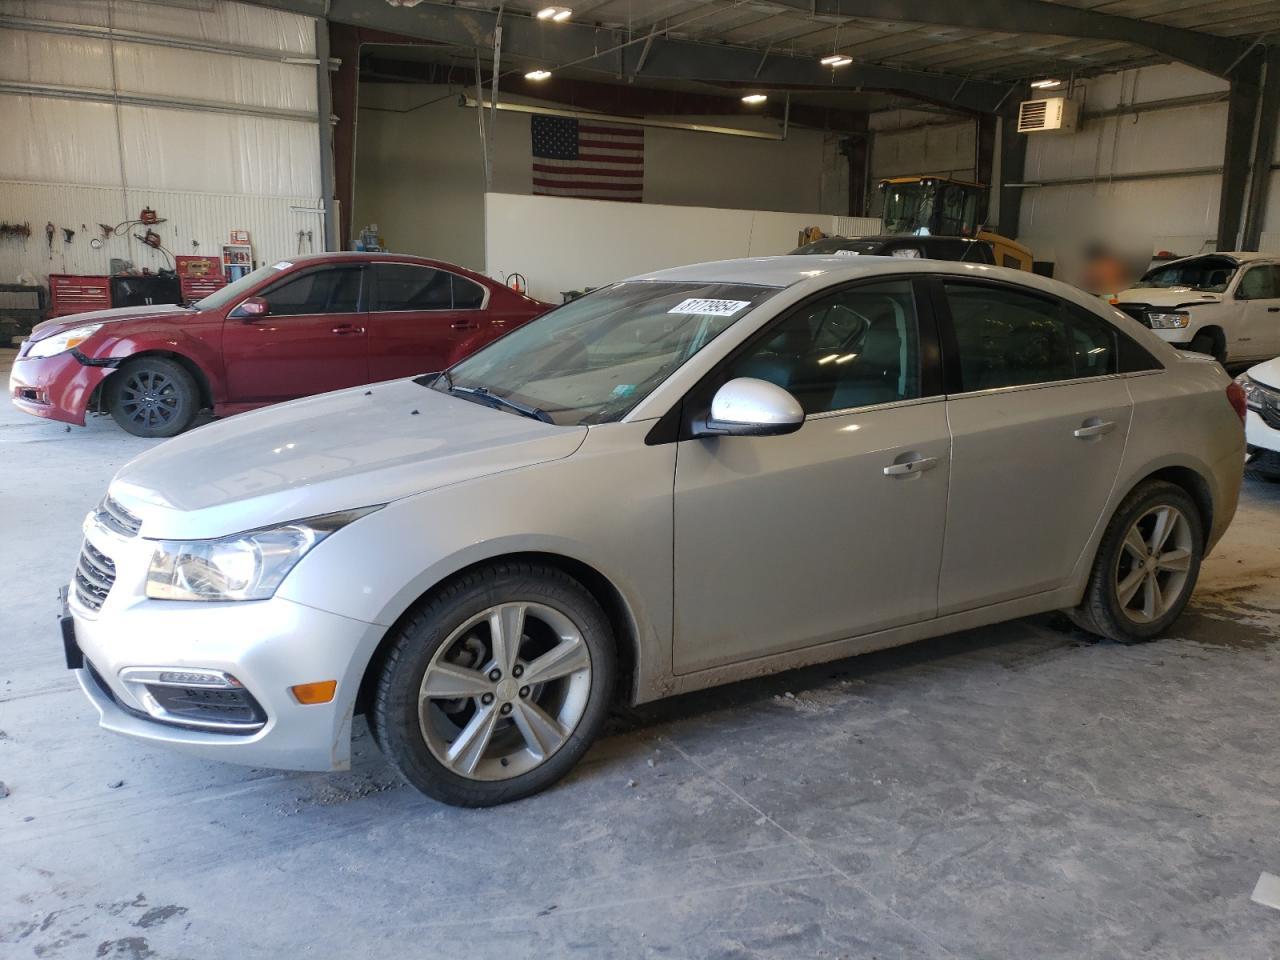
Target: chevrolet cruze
683, 479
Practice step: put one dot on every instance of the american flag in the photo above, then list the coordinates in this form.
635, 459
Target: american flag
587, 158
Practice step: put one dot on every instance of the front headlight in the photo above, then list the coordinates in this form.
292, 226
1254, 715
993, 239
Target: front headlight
62, 342
1252, 393
1172, 320
246, 566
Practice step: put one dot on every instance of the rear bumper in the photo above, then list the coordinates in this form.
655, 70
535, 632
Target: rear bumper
56, 388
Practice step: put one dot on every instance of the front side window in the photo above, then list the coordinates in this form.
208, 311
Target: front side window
317, 291
408, 286
855, 348
1007, 338
593, 359
1259, 283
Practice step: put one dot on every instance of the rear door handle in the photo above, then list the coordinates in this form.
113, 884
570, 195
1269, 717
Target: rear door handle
910, 467
1093, 427
347, 330
464, 325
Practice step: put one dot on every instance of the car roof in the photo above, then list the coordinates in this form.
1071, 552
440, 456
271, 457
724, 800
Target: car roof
783, 271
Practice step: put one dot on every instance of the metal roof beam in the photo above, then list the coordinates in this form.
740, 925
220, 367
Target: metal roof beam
1205, 51
593, 48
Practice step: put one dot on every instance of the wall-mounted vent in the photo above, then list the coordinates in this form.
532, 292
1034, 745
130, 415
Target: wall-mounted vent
1053, 114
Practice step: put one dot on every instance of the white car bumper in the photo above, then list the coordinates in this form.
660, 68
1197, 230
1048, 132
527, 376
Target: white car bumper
1263, 439
267, 646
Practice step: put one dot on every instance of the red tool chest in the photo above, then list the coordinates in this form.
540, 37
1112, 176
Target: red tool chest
70, 293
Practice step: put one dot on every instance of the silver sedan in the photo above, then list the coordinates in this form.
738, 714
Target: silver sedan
680, 480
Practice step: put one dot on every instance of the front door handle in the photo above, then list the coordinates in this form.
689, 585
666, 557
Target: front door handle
910, 467
464, 325
1093, 427
347, 330
1273, 309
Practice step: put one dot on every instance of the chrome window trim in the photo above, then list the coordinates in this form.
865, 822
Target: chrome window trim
877, 407
1047, 384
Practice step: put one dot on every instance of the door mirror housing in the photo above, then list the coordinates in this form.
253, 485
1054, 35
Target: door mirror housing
747, 407
253, 308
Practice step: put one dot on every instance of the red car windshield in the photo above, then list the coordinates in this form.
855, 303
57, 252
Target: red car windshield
240, 289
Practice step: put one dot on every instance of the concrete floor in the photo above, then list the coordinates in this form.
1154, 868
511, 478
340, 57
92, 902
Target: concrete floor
1016, 792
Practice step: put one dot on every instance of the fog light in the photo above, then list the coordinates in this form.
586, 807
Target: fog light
320, 692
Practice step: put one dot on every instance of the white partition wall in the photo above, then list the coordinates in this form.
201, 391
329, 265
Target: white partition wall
564, 244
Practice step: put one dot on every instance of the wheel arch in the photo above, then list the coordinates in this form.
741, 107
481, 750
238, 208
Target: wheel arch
1219, 337
203, 383
602, 589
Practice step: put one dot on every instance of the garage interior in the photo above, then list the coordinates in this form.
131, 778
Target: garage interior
1010, 791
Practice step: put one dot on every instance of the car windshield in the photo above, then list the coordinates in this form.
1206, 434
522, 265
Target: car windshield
593, 359
236, 291
1210, 274
838, 245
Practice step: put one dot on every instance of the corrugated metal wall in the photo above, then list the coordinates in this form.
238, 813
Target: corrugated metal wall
225, 137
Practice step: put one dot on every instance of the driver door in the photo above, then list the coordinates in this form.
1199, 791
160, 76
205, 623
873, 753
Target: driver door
789, 541
313, 339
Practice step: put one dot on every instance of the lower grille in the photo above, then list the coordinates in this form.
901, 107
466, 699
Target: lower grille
95, 574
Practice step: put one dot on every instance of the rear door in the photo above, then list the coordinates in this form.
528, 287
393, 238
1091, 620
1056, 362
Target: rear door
312, 340
1258, 298
420, 318
1039, 417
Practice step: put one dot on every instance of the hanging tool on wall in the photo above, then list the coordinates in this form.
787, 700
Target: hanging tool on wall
68, 234
148, 218
17, 231
48, 236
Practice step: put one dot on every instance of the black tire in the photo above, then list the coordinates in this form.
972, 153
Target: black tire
394, 714
1100, 611
152, 397
1205, 343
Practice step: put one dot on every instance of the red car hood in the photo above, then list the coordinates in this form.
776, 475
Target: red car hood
49, 327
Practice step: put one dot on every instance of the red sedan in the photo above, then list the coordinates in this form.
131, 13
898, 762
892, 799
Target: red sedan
290, 329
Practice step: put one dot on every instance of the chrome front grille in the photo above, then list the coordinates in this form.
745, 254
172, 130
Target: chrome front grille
116, 518
95, 573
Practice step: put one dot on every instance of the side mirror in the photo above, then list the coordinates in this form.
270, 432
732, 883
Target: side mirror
747, 407
253, 308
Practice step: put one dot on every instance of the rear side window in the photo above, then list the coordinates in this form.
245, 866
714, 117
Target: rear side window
467, 295
407, 286
1006, 338
319, 291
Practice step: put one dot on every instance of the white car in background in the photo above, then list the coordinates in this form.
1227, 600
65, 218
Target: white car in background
1226, 305
1262, 426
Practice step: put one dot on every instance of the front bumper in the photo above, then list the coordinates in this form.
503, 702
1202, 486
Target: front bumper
268, 646
56, 388
1264, 443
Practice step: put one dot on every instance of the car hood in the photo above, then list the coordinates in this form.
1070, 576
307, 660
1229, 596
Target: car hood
1267, 374
1167, 296
332, 452
49, 327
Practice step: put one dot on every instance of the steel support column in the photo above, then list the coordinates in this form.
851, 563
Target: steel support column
1013, 164
1242, 113
324, 112
1263, 151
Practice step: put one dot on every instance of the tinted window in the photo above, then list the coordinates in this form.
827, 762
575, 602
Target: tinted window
407, 286
1094, 343
320, 291
1259, 283
1007, 338
466, 294
852, 349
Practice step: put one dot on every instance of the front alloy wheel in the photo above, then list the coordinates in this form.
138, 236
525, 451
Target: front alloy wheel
496, 685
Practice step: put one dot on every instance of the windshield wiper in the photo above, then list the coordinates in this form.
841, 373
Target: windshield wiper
482, 395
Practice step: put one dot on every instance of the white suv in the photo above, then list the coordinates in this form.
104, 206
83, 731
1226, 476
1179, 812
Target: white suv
1224, 304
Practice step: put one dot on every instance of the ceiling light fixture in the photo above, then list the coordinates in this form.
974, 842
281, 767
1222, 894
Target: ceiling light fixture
537, 74
754, 98
558, 14
836, 60
1046, 84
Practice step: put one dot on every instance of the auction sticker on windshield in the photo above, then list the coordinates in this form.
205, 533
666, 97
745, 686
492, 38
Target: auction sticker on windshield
709, 308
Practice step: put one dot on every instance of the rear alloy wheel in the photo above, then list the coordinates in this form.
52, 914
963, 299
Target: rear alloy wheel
153, 397
1146, 567
496, 687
